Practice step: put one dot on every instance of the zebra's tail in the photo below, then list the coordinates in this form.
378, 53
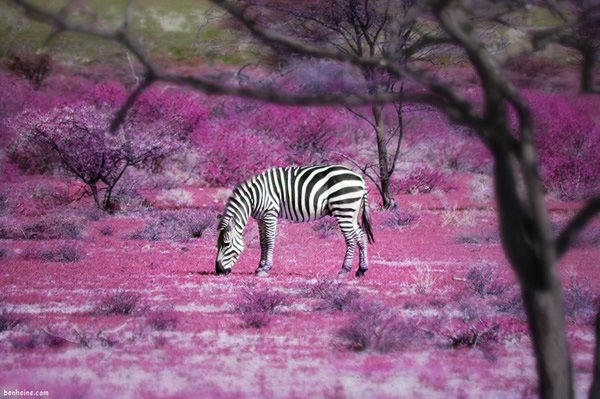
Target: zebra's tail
366, 220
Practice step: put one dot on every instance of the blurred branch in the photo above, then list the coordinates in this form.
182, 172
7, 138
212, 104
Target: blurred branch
578, 223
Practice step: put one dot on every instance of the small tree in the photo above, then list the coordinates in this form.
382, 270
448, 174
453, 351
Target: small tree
77, 138
355, 29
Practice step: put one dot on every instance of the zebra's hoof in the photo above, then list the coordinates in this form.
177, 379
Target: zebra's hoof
361, 272
343, 273
262, 273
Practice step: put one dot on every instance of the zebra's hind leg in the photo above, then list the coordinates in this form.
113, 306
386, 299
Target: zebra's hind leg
266, 230
349, 233
363, 264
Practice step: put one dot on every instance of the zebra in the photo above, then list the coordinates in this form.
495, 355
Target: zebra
300, 194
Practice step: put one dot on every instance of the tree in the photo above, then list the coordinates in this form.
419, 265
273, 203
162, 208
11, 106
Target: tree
361, 29
77, 138
524, 221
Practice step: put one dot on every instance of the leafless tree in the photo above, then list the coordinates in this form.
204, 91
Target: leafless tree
361, 29
524, 221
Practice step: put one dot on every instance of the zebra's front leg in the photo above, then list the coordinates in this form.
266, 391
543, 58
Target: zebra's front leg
266, 228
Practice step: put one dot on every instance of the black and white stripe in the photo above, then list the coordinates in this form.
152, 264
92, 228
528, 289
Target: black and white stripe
299, 194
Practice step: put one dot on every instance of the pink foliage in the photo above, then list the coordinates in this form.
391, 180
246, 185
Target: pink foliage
422, 180
77, 138
240, 141
446, 145
568, 141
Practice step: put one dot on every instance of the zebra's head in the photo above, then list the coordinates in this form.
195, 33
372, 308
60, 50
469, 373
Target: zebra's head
230, 245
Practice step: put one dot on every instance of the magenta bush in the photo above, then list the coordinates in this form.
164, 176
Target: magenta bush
256, 306
8, 318
241, 139
62, 253
484, 281
119, 303
568, 141
422, 180
77, 139
373, 326
44, 228
162, 319
399, 218
432, 138
179, 225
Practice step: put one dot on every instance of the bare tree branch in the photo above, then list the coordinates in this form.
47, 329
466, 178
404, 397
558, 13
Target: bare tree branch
578, 223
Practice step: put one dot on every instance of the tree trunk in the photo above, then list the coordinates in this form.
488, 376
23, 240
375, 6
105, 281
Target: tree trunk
95, 195
387, 198
540, 284
587, 72
595, 389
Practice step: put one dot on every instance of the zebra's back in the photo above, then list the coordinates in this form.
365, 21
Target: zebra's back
308, 193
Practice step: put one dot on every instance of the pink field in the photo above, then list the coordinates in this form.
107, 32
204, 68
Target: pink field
186, 337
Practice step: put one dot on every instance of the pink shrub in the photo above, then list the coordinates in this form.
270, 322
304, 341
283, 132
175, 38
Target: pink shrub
399, 218
179, 225
119, 303
432, 137
242, 139
77, 139
256, 306
62, 253
46, 228
334, 295
8, 319
373, 326
422, 180
162, 319
484, 281
568, 141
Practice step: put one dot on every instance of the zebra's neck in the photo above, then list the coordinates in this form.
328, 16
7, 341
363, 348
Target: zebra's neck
239, 206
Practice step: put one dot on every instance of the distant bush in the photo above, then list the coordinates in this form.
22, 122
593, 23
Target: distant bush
581, 301
422, 180
373, 326
76, 137
179, 225
8, 318
484, 281
64, 253
46, 228
474, 328
471, 336
333, 294
107, 231
256, 306
119, 303
47, 196
242, 139
162, 319
399, 218
568, 142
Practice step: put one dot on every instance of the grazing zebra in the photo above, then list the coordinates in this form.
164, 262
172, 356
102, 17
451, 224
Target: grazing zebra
299, 194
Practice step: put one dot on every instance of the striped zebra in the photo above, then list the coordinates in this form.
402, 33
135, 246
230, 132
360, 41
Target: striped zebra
300, 194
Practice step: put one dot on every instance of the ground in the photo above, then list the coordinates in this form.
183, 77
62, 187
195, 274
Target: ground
187, 334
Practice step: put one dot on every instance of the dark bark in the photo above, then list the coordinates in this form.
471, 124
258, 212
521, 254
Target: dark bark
595, 388
387, 197
540, 285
